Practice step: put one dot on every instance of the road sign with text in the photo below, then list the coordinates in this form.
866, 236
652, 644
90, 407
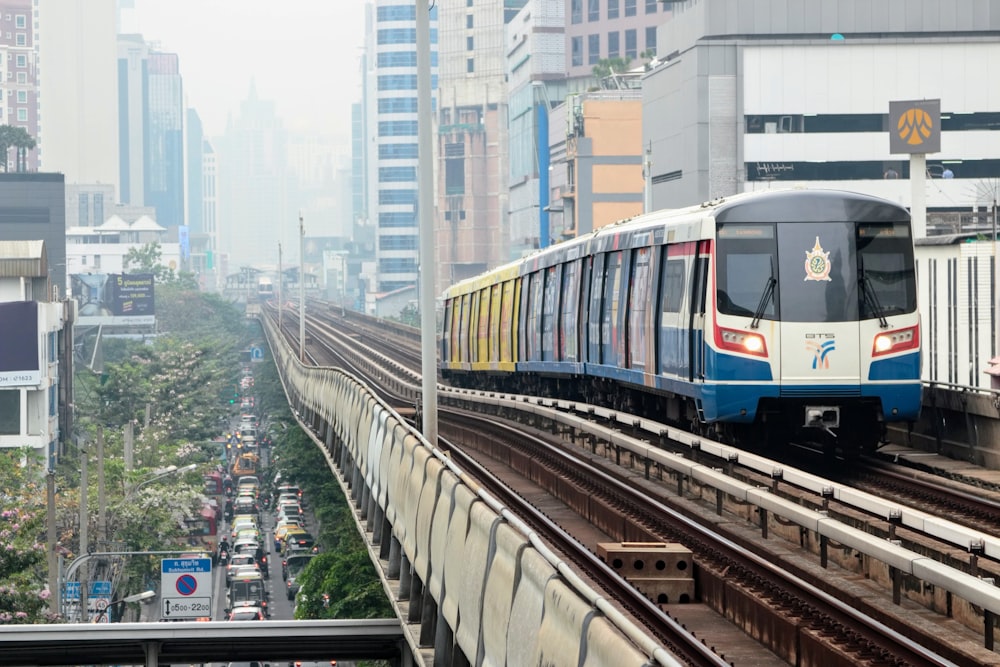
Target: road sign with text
186, 587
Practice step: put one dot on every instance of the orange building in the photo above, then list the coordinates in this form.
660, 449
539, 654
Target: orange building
597, 173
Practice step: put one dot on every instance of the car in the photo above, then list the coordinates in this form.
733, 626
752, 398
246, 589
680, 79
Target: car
236, 561
248, 613
246, 505
283, 529
291, 568
252, 545
297, 542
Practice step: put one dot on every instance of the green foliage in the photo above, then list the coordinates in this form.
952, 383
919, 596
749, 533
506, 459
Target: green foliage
146, 259
13, 136
607, 66
23, 595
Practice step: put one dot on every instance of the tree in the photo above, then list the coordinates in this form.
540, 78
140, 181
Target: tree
23, 595
12, 136
608, 66
146, 259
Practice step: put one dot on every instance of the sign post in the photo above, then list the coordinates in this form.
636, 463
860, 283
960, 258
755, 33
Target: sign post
186, 587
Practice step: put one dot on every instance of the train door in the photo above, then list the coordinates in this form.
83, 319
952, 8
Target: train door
612, 343
596, 282
640, 307
570, 313
473, 330
696, 328
818, 286
550, 313
672, 323
483, 330
583, 319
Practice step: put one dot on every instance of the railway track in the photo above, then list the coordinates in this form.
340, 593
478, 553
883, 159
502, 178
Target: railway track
842, 636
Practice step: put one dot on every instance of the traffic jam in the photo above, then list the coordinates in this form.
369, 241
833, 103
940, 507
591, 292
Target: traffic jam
263, 533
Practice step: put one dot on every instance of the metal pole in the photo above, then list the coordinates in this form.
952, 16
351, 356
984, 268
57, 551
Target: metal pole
84, 526
102, 500
428, 264
55, 593
302, 290
281, 276
647, 171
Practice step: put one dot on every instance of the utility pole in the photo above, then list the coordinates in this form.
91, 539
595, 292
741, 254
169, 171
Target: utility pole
302, 290
281, 279
102, 500
55, 595
84, 537
428, 265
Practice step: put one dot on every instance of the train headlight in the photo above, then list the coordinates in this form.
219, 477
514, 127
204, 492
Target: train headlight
900, 340
744, 342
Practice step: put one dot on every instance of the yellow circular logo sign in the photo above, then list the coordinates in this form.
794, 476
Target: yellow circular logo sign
914, 126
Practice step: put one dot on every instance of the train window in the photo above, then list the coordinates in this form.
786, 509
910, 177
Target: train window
598, 274
482, 338
494, 337
506, 318
639, 309
570, 312
672, 281
533, 330
746, 259
817, 272
612, 343
885, 263
550, 310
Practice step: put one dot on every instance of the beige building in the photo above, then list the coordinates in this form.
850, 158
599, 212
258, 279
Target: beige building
597, 171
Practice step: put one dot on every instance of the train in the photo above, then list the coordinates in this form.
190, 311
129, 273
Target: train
265, 288
757, 318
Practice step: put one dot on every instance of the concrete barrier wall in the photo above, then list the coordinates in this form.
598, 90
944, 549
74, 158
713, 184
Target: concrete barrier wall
503, 601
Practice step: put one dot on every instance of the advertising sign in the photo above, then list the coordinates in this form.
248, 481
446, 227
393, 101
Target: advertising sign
915, 126
114, 299
19, 364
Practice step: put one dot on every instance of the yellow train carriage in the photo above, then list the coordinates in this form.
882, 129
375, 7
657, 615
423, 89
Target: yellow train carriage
480, 322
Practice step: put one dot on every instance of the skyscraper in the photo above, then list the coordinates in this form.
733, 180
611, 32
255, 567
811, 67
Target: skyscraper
391, 94
164, 155
76, 134
18, 90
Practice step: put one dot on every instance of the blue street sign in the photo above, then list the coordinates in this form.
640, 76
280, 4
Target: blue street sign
100, 589
71, 591
256, 354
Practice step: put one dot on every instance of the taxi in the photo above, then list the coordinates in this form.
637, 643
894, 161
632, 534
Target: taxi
282, 531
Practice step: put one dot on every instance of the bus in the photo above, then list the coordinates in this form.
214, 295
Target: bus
203, 531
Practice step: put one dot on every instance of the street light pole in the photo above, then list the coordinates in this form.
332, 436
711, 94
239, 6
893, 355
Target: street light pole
138, 597
302, 290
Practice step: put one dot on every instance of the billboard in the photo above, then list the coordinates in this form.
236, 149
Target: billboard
120, 299
19, 363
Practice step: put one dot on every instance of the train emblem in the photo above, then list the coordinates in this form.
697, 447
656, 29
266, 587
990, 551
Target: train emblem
817, 263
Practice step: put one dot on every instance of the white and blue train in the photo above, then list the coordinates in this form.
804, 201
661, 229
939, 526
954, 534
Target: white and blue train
770, 315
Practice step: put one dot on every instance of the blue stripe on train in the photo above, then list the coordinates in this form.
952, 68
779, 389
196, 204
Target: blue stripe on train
903, 367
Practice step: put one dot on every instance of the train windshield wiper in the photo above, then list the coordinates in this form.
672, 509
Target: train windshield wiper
764, 299
871, 296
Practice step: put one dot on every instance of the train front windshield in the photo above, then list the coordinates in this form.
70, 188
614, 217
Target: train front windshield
815, 272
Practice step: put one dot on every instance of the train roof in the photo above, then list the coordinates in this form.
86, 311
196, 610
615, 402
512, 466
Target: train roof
789, 205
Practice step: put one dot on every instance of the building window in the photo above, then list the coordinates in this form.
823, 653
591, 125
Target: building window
576, 51
397, 59
398, 105
470, 65
468, 21
397, 219
390, 197
397, 151
84, 205
20, 21
614, 46
651, 6
454, 176
397, 82
99, 208
470, 43
593, 10
397, 242
22, 97
631, 46
22, 39
22, 77
468, 3
576, 11
593, 49
629, 7
397, 128
398, 35
651, 38
22, 115
613, 8
397, 174
22, 60
396, 13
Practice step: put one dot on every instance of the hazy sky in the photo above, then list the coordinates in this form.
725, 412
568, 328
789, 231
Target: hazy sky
303, 54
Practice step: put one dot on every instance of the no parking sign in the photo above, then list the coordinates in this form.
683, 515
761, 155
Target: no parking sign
186, 585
